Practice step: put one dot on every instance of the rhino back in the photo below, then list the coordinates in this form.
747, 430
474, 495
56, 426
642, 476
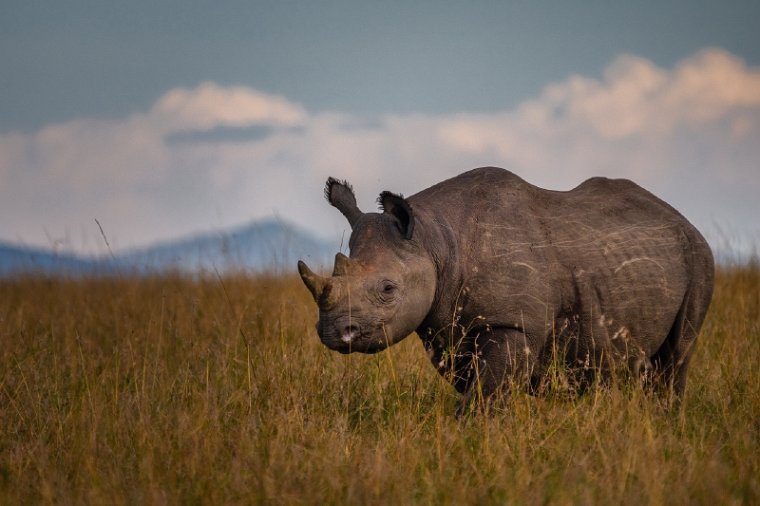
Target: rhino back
521, 256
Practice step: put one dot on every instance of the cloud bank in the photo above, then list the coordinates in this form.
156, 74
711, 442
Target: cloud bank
211, 157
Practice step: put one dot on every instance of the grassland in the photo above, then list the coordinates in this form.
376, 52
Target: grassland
217, 391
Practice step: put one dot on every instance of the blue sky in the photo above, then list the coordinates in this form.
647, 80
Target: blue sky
166, 118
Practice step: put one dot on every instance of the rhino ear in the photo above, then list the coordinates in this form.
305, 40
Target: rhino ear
399, 208
341, 196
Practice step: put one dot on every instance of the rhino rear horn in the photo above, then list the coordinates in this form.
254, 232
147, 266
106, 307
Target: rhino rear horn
316, 284
341, 196
342, 265
399, 208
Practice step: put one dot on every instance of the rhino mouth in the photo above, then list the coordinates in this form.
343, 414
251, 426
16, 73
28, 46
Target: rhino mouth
349, 338
350, 333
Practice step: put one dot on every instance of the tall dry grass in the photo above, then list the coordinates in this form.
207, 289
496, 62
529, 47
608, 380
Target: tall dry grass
177, 391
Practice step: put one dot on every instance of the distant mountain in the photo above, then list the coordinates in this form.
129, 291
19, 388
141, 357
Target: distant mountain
270, 245
266, 245
22, 259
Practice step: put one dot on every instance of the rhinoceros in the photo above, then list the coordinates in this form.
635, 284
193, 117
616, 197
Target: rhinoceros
501, 279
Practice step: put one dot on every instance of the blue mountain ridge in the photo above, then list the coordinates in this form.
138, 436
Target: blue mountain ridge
261, 246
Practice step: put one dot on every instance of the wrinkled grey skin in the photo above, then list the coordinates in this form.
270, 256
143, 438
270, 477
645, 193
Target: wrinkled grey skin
500, 278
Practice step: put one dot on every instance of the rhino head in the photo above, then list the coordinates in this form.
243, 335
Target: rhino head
385, 289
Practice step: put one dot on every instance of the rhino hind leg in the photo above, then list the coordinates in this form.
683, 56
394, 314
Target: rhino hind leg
671, 362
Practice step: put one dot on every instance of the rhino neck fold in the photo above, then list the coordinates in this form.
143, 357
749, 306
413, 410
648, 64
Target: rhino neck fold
438, 239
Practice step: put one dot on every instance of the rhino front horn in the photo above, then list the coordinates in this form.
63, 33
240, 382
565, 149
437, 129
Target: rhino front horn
314, 282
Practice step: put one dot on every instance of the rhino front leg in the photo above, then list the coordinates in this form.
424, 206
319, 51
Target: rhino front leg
500, 357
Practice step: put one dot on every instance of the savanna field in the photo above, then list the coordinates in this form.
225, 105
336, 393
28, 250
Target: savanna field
217, 391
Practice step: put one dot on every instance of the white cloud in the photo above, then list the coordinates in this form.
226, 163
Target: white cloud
210, 105
214, 156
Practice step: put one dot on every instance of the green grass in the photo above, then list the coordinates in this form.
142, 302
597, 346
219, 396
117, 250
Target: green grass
176, 391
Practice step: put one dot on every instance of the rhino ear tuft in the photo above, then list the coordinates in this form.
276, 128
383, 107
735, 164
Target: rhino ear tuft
340, 195
399, 208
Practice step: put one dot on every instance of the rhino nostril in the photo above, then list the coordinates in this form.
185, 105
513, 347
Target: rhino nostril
350, 332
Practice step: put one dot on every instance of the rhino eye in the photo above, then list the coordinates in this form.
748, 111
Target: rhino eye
388, 289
